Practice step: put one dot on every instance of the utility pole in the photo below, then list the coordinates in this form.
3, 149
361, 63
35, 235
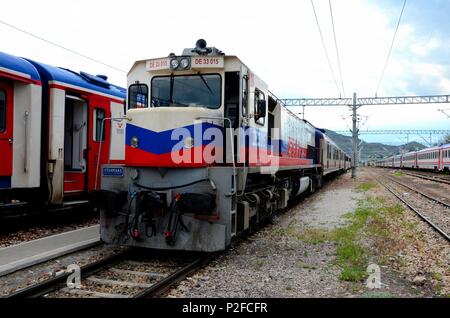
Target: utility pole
355, 137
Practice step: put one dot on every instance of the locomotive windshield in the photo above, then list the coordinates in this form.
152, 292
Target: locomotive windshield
200, 90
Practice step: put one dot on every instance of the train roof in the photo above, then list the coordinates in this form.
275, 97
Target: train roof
18, 66
84, 80
429, 149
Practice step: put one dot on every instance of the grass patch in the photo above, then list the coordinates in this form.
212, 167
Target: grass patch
366, 186
260, 262
306, 265
399, 174
352, 257
437, 276
316, 236
369, 219
312, 236
353, 274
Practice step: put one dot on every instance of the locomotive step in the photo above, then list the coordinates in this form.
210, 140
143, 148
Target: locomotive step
14, 205
74, 203
69, 205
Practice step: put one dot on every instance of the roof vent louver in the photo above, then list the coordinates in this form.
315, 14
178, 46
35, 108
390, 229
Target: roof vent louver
99, 80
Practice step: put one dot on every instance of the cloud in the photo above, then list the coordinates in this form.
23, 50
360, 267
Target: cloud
424, 47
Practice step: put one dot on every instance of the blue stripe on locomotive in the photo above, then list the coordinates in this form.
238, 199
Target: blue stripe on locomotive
161, 142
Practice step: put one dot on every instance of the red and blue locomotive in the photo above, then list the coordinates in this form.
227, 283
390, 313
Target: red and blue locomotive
209, 152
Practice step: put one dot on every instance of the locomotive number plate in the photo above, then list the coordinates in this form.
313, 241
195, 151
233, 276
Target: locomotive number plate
207, 62
113, 172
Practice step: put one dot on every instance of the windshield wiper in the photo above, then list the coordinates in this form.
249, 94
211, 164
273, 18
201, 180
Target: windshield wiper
206, 84
172, 79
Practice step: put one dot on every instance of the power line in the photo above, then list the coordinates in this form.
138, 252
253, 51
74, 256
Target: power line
335, 43
390, 49
325, 49
62, 47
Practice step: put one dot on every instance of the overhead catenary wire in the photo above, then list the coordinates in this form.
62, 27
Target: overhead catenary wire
61, 47
391, 47
337, 50
325, 49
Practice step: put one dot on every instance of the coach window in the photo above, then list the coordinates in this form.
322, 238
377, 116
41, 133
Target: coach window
2, 111
99, 115
259, 96
138, 96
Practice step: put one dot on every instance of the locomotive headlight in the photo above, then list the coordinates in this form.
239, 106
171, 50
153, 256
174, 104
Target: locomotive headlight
135, 142
174, 63
188, 143
185, 63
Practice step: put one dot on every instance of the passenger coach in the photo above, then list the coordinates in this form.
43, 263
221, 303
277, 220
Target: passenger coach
434, 158
50, 134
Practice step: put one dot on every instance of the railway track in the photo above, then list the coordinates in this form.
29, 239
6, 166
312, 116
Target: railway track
428, 177
432, 219
57, 287
432, 198
123, 275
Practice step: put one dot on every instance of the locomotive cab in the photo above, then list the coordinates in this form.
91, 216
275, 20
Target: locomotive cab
187, 95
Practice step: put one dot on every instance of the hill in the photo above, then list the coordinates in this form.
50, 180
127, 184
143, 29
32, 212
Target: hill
372, 150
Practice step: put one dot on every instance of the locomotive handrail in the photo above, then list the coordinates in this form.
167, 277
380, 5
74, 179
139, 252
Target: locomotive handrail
101, 143
233, 190
25, 154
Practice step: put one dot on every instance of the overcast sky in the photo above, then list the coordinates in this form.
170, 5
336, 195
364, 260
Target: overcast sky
279, 40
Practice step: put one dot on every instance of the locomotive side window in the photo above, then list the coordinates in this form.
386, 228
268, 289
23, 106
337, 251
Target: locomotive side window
99, 115
201, 90
138, 96
2, 111
258, 97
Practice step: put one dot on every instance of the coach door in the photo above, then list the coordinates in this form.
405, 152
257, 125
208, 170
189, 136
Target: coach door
75, 145
6, 133
99, 139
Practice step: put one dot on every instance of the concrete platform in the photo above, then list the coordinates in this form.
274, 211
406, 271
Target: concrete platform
13, 258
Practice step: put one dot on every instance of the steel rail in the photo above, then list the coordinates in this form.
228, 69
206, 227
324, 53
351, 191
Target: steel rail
157, 289
52, 284
420, 192
411, 207
430, 178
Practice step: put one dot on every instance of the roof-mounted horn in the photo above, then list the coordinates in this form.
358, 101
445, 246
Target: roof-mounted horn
201, 49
